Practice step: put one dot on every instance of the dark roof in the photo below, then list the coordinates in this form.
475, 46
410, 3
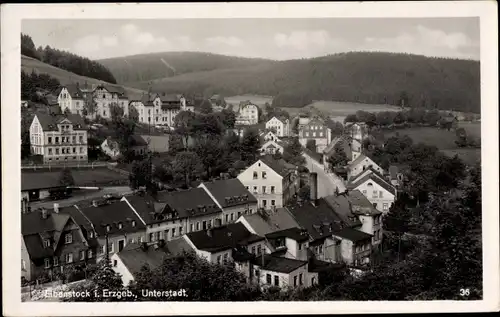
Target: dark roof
113, 214
137, 140
361, 204
278, 264
241, 254
353, 234
134, 257
317, 220
39, 180
74, 91
82, 222
377, 179
316, 265
279, 166
272, 221
340, 205
50, 122
292, 233
343, 141
222, 238
189, 203
229, 192
170, 98
35, 229
360, 158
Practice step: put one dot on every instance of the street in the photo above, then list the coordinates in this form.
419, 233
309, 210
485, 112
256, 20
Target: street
327, 182
83, 194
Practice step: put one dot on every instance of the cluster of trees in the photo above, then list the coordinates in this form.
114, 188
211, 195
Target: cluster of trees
389, 118
34, 86
465, 140
66, 60
361, 77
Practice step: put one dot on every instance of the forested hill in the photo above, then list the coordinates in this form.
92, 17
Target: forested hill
365, 77
65, 60
146, 67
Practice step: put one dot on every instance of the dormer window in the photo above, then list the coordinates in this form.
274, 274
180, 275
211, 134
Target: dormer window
46, 243
68, 238
370, 184
91, 234
133, 223
120, 226
108, 228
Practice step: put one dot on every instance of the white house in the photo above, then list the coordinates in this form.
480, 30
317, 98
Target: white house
269, 136
248, 114
272, 147
377, 190
356, 148
360, 164
317, 131
159, 109
272, 182
282, 272
59, 138
280, 125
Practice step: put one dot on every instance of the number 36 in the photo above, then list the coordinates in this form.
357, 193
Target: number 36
464, 292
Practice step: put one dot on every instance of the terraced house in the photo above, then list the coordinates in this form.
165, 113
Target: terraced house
160, 109
59, 138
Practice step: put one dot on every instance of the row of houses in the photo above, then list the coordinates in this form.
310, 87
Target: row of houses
219, 221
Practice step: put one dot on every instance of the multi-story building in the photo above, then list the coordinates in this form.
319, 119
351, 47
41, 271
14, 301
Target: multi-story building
317, 131
75, 98
159, 109
59, 138
51, 240
360, 165
375, 188
281, 126
232, 197
272, 182
248, 114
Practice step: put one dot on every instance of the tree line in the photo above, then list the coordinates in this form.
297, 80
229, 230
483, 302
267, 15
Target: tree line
65, 60
34, 86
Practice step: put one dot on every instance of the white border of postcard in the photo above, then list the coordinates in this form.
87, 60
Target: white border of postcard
11, 16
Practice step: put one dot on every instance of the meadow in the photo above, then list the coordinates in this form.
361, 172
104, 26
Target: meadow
258, 100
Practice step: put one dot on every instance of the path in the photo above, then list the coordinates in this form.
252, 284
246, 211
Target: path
327, 182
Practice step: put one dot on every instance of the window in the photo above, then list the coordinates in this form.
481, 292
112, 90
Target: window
120, 225
133, 223
191, 227
46, 243
57, 151
90, 254
47, 263
321, 134
101, 250
264, 202
180, 231
111, 247
272, 189
68, 238
255, 189
253, 250
74, 150
173, 232
69, 258
82, 255
314, 134
219, 257
263, 189
115, 262
276, 280
225, 258
300, 279
108, 228
295, 280
197, 226
239, 214
248, 188
255, 175
232, 216
364, 192
321, 249
56, 261
385, 206
227, 218
273, 202
259, 250
381, 194
300, 246
49, 140
140, 239
264, 175
268, 279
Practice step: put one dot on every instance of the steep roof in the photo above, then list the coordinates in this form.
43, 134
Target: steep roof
229, 192
358, 160
223, 238
34, 180
137, 140
353, 234
113, 214
192, 202
380, 181
282, 119
272, 221
393, 172
279, 166
292, 233
74, 91
340, 204
344, 142
361, 204
134, 257
50, 122
278, 264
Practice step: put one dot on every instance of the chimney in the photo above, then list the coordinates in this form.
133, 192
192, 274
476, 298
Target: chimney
56, 208
44, 213
313, 185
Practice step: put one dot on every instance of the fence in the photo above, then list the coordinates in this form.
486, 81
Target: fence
64, 165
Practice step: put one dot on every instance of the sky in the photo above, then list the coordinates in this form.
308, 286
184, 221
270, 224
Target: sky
278, 39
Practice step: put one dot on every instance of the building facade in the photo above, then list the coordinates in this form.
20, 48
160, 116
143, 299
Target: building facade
281, 126
248, 114
317, 131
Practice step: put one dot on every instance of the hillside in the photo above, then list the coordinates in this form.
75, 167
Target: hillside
29, 64
146, 67
373, 78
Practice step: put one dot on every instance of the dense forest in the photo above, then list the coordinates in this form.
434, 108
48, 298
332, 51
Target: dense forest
147, 67
66, 60
373, 78
33, 86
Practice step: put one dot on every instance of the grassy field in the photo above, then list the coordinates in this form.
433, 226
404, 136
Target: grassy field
256, 99
339, 110
29, 64
88, 177
444, 140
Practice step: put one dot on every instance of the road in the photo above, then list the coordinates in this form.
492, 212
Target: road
82, 195
327, 182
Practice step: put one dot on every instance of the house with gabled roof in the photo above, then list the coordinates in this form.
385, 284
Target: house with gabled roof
280, 125
50, 241
376, 189
137, 144
273, 182
59, 138
272, 147
361, 164
247, 114
267, 135
232, 197
160, 109
317, 131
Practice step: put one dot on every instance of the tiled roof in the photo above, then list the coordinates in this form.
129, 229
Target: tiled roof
113, 214
316, 265
190, 203
353, 234
344, 142
278, 264
42, 180
134, 257
278, 219
279, 166
292, 233
82, 222
223, 238
229, 192
370, 170
340, 205
361, 204
49, 122
74, 91
320, 221
377, 179
358, 160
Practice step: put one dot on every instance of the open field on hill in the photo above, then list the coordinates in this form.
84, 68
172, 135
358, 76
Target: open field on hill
256, 99
29, 64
